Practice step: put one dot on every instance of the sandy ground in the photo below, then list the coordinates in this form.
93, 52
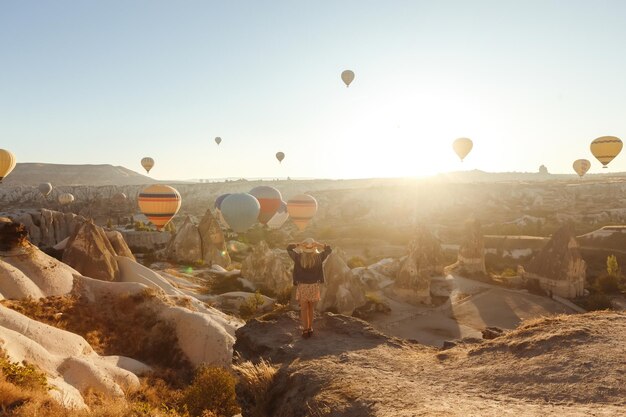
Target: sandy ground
473, 305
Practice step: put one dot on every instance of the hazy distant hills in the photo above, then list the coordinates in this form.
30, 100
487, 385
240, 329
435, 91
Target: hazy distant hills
57, 174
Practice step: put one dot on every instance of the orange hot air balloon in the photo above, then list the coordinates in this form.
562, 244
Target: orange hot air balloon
302, 209
159, 203
269, 198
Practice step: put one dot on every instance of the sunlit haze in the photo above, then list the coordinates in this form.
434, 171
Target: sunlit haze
110, 82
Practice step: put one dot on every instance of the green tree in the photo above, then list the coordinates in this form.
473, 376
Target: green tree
612, 267
110, 224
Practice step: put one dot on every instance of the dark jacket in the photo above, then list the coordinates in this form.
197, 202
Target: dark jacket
308, 275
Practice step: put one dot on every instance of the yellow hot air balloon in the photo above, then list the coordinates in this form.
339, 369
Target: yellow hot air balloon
581, 166
7, 163
462, 147
606, 148
147, 163
347, 76
159, 203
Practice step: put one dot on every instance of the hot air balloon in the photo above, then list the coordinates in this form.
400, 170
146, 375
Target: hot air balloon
218, 212
119, 198
45, 188
66, 199
301, 209
219, 199
240, 210
7, 163
280, 156
159, 203
347, 76
605, 148
269, 198
581, 166
462, 147
147, 163
279, 218
218, 140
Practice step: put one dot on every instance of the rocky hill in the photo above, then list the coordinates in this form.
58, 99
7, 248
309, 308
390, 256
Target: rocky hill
565, 365
59, 174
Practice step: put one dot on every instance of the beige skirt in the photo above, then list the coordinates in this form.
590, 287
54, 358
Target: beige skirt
308, 292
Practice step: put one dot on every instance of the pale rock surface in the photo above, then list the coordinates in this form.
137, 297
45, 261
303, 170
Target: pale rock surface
267, 268
119, 244
45, 227
70, 364
90, 253
342, 291
213, 243
186, 245
232, 301
141, 242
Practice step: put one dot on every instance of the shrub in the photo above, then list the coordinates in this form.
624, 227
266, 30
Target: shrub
251, 306
22, 374
612, 267
596, 301
212, 389
356, 262
608, 284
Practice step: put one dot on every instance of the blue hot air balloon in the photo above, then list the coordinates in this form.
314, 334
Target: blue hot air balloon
240, 210
219, 199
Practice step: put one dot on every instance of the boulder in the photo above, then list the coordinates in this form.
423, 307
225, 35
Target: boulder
267, 268
232, 301
90, 253
186, 245
119, 244
343, 291
213, 243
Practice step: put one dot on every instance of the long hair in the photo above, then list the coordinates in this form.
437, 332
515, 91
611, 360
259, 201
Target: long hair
309, 259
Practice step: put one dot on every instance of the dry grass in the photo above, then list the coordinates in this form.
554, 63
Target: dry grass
255, 381
124, 326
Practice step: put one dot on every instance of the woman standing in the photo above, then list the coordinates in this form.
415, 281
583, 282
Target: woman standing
308, 273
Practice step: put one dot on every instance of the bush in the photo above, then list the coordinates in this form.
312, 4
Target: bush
356, 262
251, 306
254, 384
596, 301
22, 374
608, 284
213, 390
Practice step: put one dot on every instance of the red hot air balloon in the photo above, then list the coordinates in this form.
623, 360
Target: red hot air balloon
302, 209
269, 199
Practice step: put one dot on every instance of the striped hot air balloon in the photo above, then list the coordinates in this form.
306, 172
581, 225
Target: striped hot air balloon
159, 203
301, 209
606, 148
269, 198
147, 163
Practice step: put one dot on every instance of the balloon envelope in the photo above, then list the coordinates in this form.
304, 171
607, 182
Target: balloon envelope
218, 140
279, 218
45, 188
280, 156
240, 210
66, 198
581, 166
119, 198
7, 163
159, 203
606, 148
347, 76
301, 209
462, 147
219, 199
147, 163
269, 199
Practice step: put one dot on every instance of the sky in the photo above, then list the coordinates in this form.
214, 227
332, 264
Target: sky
109, 82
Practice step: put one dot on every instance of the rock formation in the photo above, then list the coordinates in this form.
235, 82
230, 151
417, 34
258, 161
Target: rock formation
90, 253
424, 259
70, 364
471, 257
186, 245
144, 242
267, 268
27, 272
213, 243
342, 292
347, 369
45, 227
119, 244
559, 268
